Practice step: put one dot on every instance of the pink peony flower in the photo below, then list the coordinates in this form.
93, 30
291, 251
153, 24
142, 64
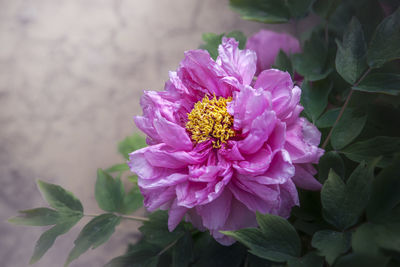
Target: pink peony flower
267, 44
222, 147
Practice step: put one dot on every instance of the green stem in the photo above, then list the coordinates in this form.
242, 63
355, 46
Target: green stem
344, 107
167, 247
132, 218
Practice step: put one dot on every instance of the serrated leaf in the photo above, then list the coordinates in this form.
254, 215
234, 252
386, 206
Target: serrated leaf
348, 128
271, 11
47, 239
118, 168
93, 234
182, 252
59, 198
315, 98
328, 118
156, 229
385, 83
132, 201
330, 160
309, 260
36, 217
311, 63
283, 63
344, 203
109, 192
130, 144
331, 244
385, 43
276, 239
351, 53
367, 150
385, 193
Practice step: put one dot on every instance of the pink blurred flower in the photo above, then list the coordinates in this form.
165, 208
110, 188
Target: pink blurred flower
222, 147
267, 44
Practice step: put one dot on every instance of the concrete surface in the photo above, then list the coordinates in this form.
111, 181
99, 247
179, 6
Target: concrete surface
71, 74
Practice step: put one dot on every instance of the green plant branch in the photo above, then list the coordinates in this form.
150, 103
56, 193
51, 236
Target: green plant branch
132, 218
344, 107
168, 246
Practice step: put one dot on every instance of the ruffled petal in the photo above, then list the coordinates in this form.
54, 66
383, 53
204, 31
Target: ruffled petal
199, 72
240, 64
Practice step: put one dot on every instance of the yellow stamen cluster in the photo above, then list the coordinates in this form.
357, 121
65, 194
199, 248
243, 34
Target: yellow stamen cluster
209, 119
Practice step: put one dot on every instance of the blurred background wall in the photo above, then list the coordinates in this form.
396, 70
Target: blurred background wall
71, 75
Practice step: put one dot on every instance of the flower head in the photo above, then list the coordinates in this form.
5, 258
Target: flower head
222, 147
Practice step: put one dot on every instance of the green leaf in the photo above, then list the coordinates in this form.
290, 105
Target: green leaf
276, 239
182, 252
93, 234
328, 118
211, 43
363, 242
330, 160
156, 230
140, 254
299, 8
132, 201
356, 259
36, 217
388, 236
59, 198
109, 192
344, 203
130, 144
282, 62
385, 193
351, 53
212, 254
315, 98
309, 260
385, 83
239, 36
348, 128
311, 62
118, 168
331, 244
378, 146
47, 239
325, 8
270, 11
385, 43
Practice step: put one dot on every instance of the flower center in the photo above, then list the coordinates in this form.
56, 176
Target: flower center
209, 119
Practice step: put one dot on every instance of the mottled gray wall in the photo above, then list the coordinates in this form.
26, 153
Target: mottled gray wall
71, 74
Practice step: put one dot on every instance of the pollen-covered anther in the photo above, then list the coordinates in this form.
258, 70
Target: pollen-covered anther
209, 119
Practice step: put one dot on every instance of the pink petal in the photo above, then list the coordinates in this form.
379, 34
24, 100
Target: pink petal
240, 64
215, 213
175, 215
304, 177
267, 44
